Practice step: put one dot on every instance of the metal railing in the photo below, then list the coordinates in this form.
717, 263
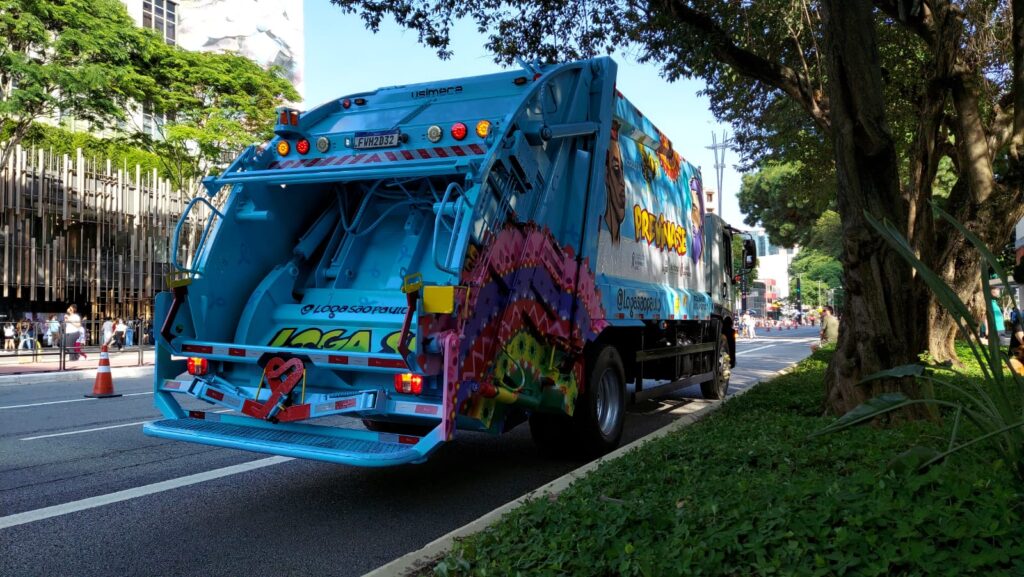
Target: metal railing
53, 345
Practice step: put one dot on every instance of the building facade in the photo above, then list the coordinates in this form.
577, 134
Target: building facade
269, 32
78, 230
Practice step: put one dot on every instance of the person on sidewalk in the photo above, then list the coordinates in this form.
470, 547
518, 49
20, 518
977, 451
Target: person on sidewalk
829, 328
52, 331
26, 336
107, 331
119, 332
72, 331
8, 337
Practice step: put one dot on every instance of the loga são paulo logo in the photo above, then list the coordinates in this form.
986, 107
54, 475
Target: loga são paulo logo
658, 230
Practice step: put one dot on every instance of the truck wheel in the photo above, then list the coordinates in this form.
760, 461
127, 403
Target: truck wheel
601, 410
718, 387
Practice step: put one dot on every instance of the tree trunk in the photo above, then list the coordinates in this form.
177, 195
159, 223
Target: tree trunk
884, 325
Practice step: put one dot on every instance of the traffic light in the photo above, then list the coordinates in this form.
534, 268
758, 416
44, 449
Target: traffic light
798, 287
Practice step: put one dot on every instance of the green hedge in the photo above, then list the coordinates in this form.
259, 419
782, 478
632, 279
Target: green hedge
744, 492
60, 141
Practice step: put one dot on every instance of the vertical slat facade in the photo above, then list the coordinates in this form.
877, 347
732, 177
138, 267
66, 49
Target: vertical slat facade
76, 230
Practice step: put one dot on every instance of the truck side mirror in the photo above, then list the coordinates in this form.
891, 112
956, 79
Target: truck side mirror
749, 254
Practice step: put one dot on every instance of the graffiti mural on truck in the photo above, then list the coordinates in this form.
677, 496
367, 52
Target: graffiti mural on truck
358, 340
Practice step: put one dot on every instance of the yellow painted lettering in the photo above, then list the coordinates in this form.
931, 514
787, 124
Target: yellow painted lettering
638, 227
308, 338
330, 339
281, 337
358, 342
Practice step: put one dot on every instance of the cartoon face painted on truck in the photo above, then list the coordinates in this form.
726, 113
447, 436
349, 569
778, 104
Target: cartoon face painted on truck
615, 187
660, 240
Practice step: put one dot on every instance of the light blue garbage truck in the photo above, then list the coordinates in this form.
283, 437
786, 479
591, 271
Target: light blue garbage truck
464, 255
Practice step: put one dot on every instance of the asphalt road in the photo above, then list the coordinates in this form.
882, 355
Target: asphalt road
64, 456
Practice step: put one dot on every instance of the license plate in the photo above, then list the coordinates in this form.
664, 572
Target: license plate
377, 139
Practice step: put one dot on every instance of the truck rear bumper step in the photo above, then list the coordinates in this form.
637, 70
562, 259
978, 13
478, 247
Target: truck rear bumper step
331, 448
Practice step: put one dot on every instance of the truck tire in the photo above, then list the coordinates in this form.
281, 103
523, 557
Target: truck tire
601, 410
718, 387
596, 425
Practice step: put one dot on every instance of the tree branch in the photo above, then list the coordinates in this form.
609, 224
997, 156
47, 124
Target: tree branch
1017, 42
747, 63
916, 15
975, 155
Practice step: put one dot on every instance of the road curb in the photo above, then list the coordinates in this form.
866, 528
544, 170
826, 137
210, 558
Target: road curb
72, 376
417, 561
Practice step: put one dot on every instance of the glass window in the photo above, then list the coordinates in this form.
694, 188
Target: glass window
159, 15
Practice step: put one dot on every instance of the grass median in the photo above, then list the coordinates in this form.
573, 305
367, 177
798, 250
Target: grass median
745, 492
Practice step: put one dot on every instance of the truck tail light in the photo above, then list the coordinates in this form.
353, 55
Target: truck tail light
302, 146
458, 131
294, 116
409, 383
283, 148
197, 366
483, 128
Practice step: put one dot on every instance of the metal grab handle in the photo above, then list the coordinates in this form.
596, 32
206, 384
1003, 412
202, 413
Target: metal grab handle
181, 221
439, 218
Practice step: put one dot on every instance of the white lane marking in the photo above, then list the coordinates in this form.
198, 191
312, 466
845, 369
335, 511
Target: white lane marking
70, 401
81, 431
101, 500
98, 428
738, 353
48, 403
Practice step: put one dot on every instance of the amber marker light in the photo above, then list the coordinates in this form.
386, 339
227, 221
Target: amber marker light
283, 148
483, 128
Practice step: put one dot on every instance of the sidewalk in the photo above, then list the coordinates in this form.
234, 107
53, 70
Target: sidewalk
47, 363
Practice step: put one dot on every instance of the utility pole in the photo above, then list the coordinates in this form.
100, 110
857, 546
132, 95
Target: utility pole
719, 148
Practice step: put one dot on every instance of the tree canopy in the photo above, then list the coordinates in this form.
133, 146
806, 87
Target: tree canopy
786, 199
73, 57
88, 60
214, 104
883, 91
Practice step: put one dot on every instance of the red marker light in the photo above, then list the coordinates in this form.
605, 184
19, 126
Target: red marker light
197, 366
284, 117
458, 131
346, 103
302, 146
409, 383
295, 117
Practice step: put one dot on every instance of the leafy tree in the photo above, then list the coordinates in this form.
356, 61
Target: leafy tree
817, 266
73, 57
827, 234
775, 196
119, 151
801, 77
215, 104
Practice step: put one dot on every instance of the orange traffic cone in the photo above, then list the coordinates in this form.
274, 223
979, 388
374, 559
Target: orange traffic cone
104, 386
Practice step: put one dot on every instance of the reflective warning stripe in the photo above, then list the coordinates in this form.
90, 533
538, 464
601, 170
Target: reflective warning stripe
435, 152
316, 358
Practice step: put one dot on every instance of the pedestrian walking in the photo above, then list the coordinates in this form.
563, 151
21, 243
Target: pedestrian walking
26, 336
9, 337
52, 331
72, 332
107, 331
120, 328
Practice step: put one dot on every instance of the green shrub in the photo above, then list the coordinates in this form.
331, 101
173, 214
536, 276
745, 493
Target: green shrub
990, 408
744, 492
